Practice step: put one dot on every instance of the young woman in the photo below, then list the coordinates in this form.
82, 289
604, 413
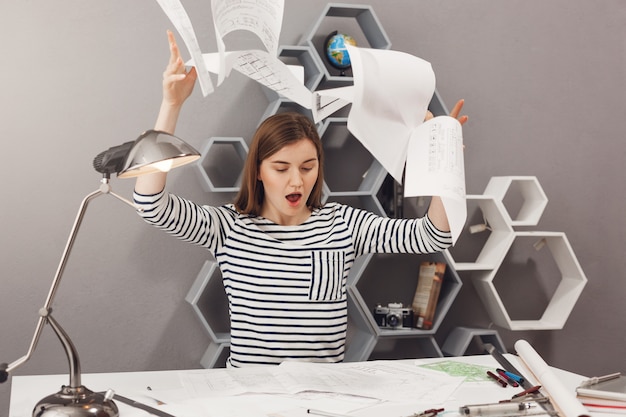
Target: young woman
284, 256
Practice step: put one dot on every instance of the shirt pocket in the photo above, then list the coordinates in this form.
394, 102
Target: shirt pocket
327, 270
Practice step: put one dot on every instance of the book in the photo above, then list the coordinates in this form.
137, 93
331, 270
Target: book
426, 296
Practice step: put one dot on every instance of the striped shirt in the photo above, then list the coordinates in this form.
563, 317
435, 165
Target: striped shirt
286, 285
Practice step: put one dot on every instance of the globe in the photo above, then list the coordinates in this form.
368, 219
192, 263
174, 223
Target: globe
336, 51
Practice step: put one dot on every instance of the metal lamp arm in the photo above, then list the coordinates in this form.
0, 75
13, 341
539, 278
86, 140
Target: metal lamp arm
44, 312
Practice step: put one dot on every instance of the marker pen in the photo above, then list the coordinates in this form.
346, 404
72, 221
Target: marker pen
508, 379
496, 378
531, 390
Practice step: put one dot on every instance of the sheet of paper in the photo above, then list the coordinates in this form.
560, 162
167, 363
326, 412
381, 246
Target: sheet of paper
178, 15
392, 91
261, 17
378, 380
435, 167
264, 69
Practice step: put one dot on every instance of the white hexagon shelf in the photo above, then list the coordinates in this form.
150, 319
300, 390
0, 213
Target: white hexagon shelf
494, 223
220, 166
524, 188
359, 21
562, 301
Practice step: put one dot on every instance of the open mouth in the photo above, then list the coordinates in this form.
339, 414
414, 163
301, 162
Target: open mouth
294, 198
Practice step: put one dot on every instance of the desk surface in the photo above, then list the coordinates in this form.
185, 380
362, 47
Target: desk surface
28, 390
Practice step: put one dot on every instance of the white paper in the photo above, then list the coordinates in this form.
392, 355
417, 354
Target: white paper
565, 401
392, 91
435, 167
379, 380
177, 14
260, 17
268, 71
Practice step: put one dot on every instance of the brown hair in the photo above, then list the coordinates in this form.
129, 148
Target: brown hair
271, 136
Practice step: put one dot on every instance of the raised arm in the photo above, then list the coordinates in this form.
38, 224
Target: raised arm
177, 87
436, 211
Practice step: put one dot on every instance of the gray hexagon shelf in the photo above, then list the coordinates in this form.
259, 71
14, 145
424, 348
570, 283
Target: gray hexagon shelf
460, 339
209, 302
405, 269
359, 21
282, 105
559, 304
355, 183
220, 166
524, 193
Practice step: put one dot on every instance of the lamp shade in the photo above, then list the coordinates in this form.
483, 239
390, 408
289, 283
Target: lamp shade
156, 151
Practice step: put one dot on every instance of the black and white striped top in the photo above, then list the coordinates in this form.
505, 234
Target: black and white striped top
286, 285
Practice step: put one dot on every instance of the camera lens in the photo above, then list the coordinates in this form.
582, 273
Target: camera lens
393, 320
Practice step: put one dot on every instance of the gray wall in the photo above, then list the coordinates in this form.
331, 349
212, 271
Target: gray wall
544, 87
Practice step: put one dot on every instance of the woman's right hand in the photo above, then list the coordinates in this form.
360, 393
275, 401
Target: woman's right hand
177, 86
177, 82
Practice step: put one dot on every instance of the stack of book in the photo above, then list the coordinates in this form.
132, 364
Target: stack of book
605, 394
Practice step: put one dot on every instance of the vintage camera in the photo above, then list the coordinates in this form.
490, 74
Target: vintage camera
393, 316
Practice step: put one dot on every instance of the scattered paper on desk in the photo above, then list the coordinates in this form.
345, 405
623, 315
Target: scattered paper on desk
435, 167
380, 380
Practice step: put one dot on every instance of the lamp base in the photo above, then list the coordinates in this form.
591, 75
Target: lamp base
75, 402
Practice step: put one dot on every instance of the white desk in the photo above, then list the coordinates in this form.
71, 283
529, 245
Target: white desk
28, 390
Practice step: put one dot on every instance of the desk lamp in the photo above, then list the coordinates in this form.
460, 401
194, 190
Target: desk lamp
151, 152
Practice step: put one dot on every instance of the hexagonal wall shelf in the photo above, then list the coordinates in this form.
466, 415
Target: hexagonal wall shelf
562, 301
208, 299
500, 232
283, 105
460, 339
400, 287
209, 302
352, 175
533, 199
367, 31
220, 166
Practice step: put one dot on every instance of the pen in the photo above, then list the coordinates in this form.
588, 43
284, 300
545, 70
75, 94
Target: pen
324, 413
495, 409
511, 375
508, 379
496, 378
499, 357
530, 390
142, 406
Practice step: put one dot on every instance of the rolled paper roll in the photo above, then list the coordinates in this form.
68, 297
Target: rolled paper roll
562, 399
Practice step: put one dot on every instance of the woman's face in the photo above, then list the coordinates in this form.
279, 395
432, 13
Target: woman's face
288, 178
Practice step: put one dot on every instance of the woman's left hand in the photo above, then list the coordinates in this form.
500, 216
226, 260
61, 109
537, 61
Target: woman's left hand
456, 110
